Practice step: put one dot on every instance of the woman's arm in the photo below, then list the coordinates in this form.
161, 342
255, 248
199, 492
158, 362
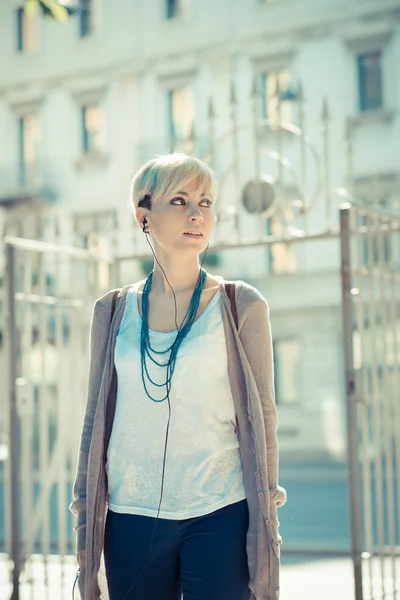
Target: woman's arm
98, 337
256, 337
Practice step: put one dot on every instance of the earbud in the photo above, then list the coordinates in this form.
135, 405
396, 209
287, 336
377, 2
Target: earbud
144, 223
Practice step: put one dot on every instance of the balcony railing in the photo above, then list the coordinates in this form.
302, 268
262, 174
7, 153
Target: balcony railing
22, 181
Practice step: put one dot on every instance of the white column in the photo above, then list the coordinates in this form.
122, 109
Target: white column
203, 93
150, 107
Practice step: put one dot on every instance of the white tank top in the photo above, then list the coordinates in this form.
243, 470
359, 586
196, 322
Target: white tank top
202, 468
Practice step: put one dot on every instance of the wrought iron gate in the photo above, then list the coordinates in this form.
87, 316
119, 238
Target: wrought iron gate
50, 294
370, 249
50, 291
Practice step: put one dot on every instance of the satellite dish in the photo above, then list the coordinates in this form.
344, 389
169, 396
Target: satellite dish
259, 195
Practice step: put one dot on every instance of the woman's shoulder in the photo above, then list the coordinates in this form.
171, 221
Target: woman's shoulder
105, 301
251, 306
247, 294
243, 290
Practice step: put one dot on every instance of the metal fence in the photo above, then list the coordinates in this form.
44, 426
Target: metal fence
50, 295
50, 291
370, 249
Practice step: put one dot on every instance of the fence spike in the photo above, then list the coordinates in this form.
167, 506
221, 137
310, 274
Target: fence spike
211, 112
233, 93
255, 89
325, 111
300, 92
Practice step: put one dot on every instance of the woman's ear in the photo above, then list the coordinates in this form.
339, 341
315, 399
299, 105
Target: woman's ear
140, 214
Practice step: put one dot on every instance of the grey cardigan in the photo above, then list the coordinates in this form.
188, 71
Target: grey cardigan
251, 376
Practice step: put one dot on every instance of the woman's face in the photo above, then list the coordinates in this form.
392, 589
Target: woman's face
170, 220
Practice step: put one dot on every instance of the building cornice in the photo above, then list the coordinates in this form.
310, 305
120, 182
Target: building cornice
85, 92
25, 99
371, 38
341, 21
272, 61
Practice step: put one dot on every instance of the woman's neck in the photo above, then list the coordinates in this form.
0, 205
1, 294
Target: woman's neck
182, 278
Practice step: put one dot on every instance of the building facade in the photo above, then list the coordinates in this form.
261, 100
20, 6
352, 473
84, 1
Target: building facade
84, 103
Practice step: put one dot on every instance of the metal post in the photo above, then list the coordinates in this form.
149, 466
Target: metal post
303, 159
211, 132
351, 399
10, 344
327, 163
114, 273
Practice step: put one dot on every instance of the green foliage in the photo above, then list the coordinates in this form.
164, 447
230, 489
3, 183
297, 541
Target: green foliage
50, 8
211, 260
146, 265
31, 7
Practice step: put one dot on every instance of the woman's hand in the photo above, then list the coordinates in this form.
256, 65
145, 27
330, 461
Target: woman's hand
278, 495
81, 557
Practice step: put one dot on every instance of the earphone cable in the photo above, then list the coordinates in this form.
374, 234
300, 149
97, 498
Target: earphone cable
169, 415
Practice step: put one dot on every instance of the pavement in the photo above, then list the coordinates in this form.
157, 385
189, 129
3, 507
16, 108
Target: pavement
330, 579
313, 579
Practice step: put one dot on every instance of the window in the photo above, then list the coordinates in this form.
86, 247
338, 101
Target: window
381, 191
28, 126
180, 117
280, 256
176, 8
93, 131
286, 371
26, 32
96, 231
269, 254
375, 247
86, 18
276, 96
370, 81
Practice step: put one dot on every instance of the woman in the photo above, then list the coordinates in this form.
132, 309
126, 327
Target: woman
177, 479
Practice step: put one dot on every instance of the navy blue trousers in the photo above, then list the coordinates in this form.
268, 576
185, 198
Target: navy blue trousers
203, 558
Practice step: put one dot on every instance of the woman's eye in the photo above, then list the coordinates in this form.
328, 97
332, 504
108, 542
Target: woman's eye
178, 199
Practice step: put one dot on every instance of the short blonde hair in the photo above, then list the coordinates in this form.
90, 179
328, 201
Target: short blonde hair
168, 173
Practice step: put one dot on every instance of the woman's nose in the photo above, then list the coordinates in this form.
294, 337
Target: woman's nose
195, 212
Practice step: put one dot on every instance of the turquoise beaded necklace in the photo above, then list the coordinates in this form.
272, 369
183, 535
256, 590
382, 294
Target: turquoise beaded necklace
145, 346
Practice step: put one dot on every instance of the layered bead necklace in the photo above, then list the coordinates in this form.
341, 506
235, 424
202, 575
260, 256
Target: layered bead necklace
145, 346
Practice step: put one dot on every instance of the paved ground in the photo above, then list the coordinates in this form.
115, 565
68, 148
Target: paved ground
328, 579
316, 580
